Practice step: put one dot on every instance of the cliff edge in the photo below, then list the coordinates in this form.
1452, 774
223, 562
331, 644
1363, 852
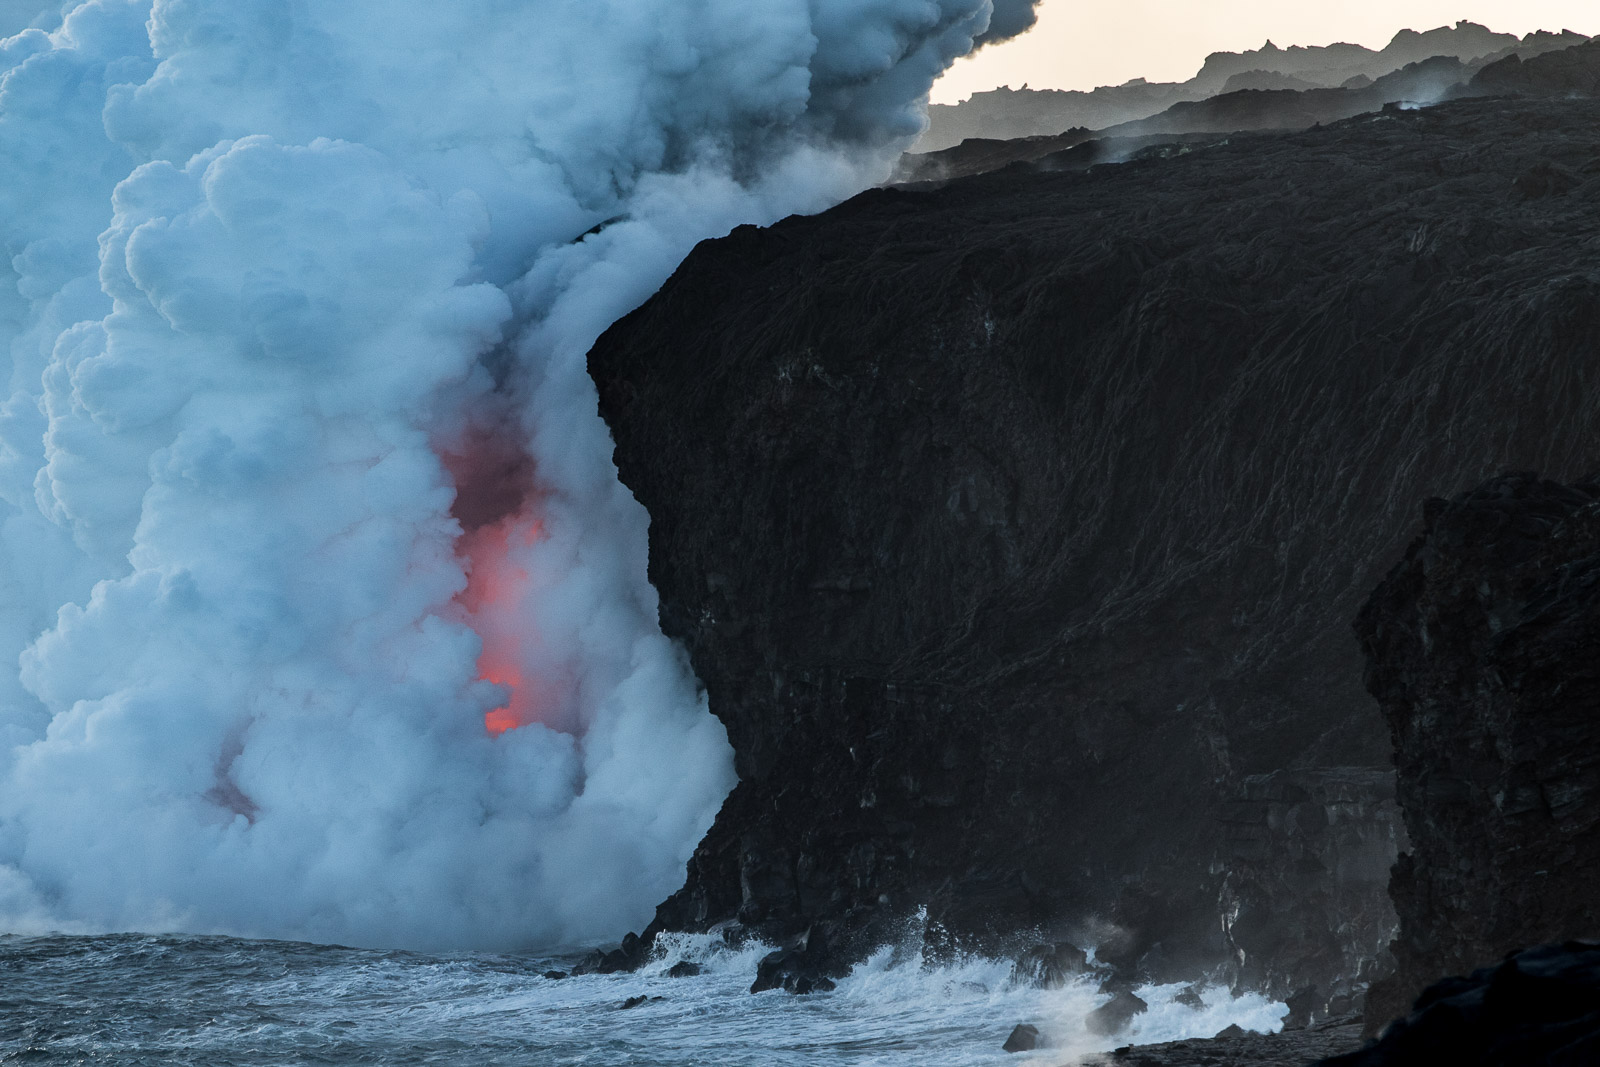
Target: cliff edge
1015, 526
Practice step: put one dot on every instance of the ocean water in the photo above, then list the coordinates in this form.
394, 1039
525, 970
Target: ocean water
224, 1002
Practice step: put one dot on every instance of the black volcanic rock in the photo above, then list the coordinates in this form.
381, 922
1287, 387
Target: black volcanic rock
1015, 526
1483, 650
1075, 149
806, 965
1236, 1047
1049, 966
1114, 1015
1540, 1008
1288, 836
629, 956
1024, 1038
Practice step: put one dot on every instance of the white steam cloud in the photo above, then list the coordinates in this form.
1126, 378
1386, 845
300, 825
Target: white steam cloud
280, 278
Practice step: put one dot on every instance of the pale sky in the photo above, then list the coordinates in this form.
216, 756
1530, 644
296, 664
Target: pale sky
1079, 44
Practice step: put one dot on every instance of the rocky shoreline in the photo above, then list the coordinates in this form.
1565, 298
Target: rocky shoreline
1241, 1048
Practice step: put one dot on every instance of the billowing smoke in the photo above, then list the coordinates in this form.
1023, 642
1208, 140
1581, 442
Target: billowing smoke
329, 615
1010, 18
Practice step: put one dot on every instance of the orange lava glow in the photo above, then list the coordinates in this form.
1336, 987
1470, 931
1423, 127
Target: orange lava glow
496, 585
496, 504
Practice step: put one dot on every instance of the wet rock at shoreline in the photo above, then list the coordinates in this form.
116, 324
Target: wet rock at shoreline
1049, 966
1024, 1038
1235, 1047
805, 965
1114, 1015
630, 955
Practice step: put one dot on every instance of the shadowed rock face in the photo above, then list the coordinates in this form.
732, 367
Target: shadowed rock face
1483, 650
1540, 1007
1016, 526
1307, 856
1571, 70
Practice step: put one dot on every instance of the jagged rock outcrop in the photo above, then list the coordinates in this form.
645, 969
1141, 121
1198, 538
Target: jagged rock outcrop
1540, 1008
1483, 650
1329, 66
1016, 526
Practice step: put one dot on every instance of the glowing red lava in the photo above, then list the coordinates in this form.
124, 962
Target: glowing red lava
496, 504
496, 585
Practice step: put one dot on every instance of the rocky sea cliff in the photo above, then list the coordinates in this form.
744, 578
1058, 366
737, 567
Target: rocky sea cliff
1016, 525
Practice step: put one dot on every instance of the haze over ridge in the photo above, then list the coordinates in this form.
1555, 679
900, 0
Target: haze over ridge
1079, 45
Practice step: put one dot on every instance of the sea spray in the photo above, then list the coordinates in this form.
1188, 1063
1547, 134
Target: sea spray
295, 1002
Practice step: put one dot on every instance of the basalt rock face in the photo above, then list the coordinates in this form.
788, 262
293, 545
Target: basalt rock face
1304, 898
1540, 1008
1483, 650
1015, 526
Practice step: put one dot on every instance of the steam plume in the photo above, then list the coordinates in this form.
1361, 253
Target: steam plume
329, 614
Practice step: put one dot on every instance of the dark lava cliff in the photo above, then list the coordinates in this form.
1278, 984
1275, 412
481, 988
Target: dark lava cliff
1015, 527
1484, 653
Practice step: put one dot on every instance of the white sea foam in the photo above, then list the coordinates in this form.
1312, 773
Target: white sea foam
892, 1009
902, 994
223, 1001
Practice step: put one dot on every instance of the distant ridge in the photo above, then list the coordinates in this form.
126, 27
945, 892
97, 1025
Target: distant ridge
1192, 123
1006, 113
